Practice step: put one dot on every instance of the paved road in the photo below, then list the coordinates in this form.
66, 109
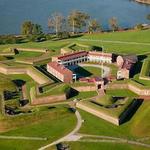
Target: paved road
71, 136
116, 41
106, 70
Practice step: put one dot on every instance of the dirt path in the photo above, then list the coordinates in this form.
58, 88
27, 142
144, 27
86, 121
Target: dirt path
110, 139
22, 138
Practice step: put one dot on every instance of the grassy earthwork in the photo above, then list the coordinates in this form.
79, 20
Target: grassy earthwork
52, 123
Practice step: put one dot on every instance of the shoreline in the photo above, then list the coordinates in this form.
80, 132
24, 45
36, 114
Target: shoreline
143, 1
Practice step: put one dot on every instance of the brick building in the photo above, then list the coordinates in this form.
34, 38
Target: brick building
83, 56
71, 58
125, 64
59, 63
60, 72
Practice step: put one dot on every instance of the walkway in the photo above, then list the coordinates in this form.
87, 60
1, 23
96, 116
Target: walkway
22, 138
110, 139
71, 136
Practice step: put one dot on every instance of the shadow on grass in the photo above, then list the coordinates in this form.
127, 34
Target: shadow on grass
19, 82
137, 67
81, 72
133, 110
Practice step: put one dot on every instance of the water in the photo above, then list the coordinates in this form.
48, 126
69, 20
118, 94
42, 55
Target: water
14, 12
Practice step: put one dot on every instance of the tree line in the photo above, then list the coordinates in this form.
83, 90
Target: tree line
75, 22
61, 27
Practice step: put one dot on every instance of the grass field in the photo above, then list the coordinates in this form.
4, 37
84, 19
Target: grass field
129, 36
112, 112
6, 83
138, 126
57, 122
51, 124
121, 92
102, 146
88, 71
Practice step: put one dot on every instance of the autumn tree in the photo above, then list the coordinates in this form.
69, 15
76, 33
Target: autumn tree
26, 28
113, 23
29, 28
56, 22
93, 26
77, 20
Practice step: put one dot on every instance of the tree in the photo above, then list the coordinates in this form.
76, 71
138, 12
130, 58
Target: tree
113, 23
148, 17
56, 22
93, 26
77, 20
37, 29
27, 27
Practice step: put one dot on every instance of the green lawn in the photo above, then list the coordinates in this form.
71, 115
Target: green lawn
113, 112
103, 146
128, 36
121, 93
23, 54
143, 82
52, 125
138, 126
88, 71
6, 83
85, 95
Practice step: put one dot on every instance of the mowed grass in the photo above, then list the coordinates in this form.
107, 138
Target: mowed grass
128, 36
6, 83
103, 146
23, 54
51, 45
126, 48
52, 125
88, 71
121, 93
137, 127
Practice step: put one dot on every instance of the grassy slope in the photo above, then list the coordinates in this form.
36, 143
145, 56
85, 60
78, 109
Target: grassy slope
51, 128
121, 92
134, 36
128, 36
6, 83
138, 126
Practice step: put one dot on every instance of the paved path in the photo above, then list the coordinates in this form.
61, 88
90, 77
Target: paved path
116, 41
110, 139
71, 136
22, 138
106, 70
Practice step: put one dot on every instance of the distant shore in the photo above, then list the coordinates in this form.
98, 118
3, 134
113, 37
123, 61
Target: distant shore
143, 1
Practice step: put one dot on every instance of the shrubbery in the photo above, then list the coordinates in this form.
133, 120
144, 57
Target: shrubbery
63, 35
9, 39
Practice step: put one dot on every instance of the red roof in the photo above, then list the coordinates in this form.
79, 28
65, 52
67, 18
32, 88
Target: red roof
100, 54
73, 55
60, 68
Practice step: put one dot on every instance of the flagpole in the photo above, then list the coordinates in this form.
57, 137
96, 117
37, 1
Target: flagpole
102, 63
